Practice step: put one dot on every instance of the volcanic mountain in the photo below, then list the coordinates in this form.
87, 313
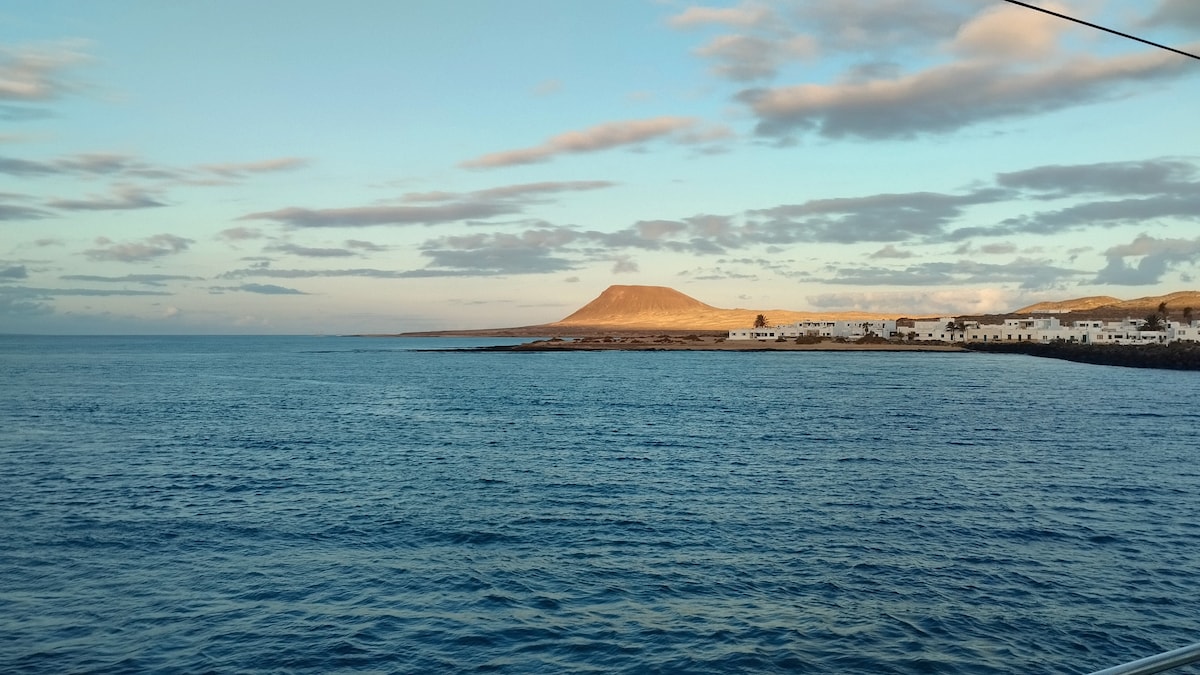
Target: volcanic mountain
641, 309
662, 308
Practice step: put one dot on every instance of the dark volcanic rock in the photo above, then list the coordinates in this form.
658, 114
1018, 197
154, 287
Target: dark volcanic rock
1174, 356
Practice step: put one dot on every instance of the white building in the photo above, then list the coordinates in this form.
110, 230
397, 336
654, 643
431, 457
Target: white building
950, 329
851, 330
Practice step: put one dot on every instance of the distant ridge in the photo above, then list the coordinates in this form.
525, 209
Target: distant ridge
1076, 305
1109, 306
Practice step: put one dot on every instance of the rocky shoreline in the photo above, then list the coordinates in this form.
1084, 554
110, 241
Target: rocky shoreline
697, 342
1173, 356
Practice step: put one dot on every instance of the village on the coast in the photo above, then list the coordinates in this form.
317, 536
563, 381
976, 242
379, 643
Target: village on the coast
1045, 329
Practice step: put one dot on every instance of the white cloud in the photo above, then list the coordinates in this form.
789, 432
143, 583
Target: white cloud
592, 139
949, 97
1154, 258
1011, 32
35, 72
950, 302
745, 14
149, 248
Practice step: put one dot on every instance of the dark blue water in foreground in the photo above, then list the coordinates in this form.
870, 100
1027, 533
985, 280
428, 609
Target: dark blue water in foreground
338, 504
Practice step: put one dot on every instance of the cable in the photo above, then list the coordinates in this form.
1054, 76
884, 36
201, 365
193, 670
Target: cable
1107, 30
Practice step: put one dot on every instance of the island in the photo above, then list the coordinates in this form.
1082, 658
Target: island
1097, 330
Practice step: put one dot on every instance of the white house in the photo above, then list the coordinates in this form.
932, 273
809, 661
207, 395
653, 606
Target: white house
851, 330
949, 329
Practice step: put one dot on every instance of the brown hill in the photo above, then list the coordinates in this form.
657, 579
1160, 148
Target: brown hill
662, 308
1104, 306
1078, 304
620, 303
1175, 302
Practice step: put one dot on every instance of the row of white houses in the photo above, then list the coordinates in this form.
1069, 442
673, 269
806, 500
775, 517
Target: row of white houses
950, 329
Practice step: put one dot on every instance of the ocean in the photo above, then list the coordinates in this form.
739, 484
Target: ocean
334, 504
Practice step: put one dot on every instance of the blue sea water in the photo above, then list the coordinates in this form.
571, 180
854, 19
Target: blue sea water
323, 504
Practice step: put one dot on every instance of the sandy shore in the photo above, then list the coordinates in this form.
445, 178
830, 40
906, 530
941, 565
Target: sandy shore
713, 343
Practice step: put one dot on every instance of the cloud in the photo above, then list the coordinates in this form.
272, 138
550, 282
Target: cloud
29, 292
524, 192
1163, 187
748, 57
13, 113
18, 213
129, 167
363, 216
487, 262
20, 304
625, 265
443, 207
998, 249
745, 14
240, 234
244, 169
123, 197
13, 272
1153, 189
953, 302
500, 253
308, 252
890, 251
762, 39
94, 164
262, 289
986, 62
267, 272
600, 137
469, 264
365, 246
1011, 32
1104, 214
865, 26
880, 218
149, 248
147, 279
1030, 274
35, 73
949, 97
1183, 14
1145, 177
1156, 258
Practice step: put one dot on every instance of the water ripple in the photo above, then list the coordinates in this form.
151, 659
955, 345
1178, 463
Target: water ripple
316, 505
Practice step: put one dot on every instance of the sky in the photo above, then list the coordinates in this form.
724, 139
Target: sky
367, 166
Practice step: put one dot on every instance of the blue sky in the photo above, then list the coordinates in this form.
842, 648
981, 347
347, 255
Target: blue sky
373, 166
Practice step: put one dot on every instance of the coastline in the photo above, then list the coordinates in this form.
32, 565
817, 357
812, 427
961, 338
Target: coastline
667, 342
1174, 356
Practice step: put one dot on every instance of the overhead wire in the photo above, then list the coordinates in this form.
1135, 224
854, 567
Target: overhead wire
1099, 27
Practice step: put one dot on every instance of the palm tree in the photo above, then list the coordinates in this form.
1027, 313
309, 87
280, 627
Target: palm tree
760, 321
1162, 310
1187, 315
955, 326
1153, 322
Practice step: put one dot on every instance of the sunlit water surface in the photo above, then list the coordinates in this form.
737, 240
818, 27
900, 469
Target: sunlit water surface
348, 504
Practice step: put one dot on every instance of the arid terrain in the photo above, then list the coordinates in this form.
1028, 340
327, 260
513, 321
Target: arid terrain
651, 313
